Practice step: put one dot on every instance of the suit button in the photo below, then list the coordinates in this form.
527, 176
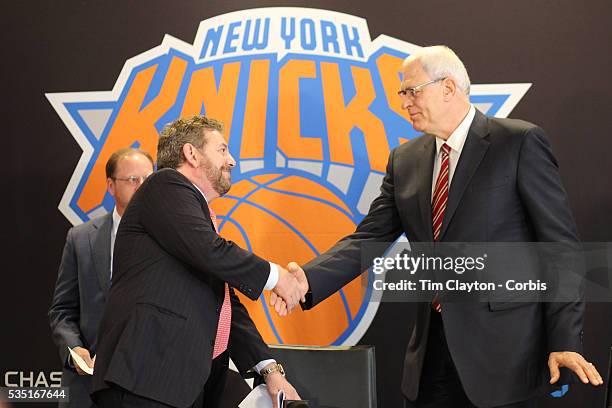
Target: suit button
217, 309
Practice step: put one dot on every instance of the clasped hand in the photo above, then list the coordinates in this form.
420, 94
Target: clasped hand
290, 289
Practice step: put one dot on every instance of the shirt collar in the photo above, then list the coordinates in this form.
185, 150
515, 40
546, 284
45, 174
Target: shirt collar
193, 184
198, 188
116, 220
457, 138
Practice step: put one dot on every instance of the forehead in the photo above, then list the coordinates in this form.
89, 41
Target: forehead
413, 73
133, 161
214, 138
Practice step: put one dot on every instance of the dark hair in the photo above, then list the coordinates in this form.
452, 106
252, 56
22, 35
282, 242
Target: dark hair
111, 164
177, 134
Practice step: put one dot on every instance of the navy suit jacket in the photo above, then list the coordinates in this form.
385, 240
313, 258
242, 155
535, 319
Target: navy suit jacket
506, 188
170, 267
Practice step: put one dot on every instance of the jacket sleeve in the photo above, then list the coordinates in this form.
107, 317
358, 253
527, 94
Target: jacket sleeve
549, 212
344, 262
179, 221
64, 313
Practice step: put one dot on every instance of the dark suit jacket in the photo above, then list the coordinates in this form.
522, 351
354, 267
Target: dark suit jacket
506, 188
78, 302
169, 268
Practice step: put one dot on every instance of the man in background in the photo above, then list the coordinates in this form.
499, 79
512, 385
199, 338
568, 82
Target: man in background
85, 274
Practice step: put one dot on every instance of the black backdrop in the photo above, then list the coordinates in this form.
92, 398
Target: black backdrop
562, 47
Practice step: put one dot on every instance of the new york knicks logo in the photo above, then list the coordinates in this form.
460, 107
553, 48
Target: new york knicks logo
311, 111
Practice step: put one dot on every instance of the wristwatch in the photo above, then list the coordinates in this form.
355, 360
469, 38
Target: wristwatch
273, 369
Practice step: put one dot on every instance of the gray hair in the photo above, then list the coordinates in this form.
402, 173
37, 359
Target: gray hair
177, 134
439, 61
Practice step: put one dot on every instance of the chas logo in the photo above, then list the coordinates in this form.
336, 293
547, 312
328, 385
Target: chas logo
311, 111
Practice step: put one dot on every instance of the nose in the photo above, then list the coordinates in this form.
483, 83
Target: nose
230, 161
406, 102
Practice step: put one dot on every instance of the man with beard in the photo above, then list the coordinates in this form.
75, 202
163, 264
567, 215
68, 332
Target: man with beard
172, 320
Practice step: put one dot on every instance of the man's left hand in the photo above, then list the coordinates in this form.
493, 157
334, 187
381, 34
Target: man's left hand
584, 370
276, 382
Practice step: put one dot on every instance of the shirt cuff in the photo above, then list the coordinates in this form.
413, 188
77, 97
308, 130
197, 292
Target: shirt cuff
272, 278
263, 365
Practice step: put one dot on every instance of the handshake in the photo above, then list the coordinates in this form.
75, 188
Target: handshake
290, 289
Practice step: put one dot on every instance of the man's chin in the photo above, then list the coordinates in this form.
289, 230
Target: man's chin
418, 126
223, 189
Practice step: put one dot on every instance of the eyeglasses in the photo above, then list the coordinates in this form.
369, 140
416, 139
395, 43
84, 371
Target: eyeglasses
414, 91
134, 180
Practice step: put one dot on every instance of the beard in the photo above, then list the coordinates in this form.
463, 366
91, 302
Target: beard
220, 177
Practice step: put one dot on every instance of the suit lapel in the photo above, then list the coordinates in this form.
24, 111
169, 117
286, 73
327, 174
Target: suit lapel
472, 154
425, 175
99, 240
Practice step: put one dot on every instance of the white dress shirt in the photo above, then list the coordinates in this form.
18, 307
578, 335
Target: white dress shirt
114, 228
455, 142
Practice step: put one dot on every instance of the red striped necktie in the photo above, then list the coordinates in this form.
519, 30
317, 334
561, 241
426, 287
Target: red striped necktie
225, 317
440, 195
438, 203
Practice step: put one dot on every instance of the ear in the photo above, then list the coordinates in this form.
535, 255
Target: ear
189, 153
110, 186
449, 88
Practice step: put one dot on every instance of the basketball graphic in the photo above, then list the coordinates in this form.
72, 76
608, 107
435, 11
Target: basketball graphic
287, 218
310, 121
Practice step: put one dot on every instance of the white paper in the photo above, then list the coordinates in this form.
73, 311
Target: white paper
280, 397
259, 398
80, 362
